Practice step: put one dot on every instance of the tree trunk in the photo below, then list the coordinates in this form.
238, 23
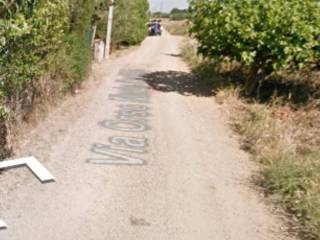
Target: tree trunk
252, 81
5, 148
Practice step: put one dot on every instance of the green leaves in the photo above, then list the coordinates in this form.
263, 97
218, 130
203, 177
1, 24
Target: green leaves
45, 42
4, 113
130, 21
270, 35
28, 40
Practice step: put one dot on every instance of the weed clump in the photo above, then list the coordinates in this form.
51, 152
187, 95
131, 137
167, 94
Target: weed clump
287, 146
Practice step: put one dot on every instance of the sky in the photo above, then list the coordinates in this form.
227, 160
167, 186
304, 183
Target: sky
167, 5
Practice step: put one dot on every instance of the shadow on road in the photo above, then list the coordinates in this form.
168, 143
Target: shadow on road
181, 82
173, 55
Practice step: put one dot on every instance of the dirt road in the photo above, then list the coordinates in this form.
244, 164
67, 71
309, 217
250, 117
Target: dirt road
141, 153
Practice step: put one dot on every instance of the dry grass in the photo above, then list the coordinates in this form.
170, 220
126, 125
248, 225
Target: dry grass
189, 53
286, 143
179, 28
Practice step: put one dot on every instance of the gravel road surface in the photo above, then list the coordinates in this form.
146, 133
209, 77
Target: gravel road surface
140, 153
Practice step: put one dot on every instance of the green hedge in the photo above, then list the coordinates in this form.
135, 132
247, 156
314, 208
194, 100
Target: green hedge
130, 21
51, 38
29, 40
45, 46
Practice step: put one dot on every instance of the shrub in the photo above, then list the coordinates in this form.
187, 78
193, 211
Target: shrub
130, 22
285, 141
179, 14
28, 43
45, 47
266, 36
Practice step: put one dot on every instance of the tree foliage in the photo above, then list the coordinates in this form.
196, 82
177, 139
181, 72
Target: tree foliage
51, 39
30, 36
179, 14
265, 35
130, 21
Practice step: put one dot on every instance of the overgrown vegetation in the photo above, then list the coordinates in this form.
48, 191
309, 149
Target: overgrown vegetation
261, 62
45, 48
130, 22
284, 138
286, 142
263, 35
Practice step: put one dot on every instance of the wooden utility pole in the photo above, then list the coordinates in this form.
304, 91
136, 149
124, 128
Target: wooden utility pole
94, 31
109, 31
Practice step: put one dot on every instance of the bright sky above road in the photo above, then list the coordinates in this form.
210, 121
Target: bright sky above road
167, 5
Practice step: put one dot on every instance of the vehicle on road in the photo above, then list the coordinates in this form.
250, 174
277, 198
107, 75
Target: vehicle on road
155, 28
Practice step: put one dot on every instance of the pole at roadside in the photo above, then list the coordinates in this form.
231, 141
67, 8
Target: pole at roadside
94, 31
109, 31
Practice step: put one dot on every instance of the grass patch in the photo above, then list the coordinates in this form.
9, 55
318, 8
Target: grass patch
277, 139
179, 28
282, 136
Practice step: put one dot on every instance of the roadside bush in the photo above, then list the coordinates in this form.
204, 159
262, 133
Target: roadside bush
284, 138
130, 22
45, 49
266, 36
179, 14
77, 54
29, 41
288, 147
77, 59
177, 28
159, 15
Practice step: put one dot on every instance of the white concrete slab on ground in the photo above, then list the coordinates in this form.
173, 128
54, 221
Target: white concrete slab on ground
33, 164
3, 225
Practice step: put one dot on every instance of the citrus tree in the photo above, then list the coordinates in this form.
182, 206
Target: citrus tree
265, 35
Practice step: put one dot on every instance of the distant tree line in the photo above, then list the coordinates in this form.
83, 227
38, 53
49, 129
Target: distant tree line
174, 15
179, 14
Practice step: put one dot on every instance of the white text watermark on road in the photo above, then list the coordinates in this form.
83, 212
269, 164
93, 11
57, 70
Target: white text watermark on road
131, 119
